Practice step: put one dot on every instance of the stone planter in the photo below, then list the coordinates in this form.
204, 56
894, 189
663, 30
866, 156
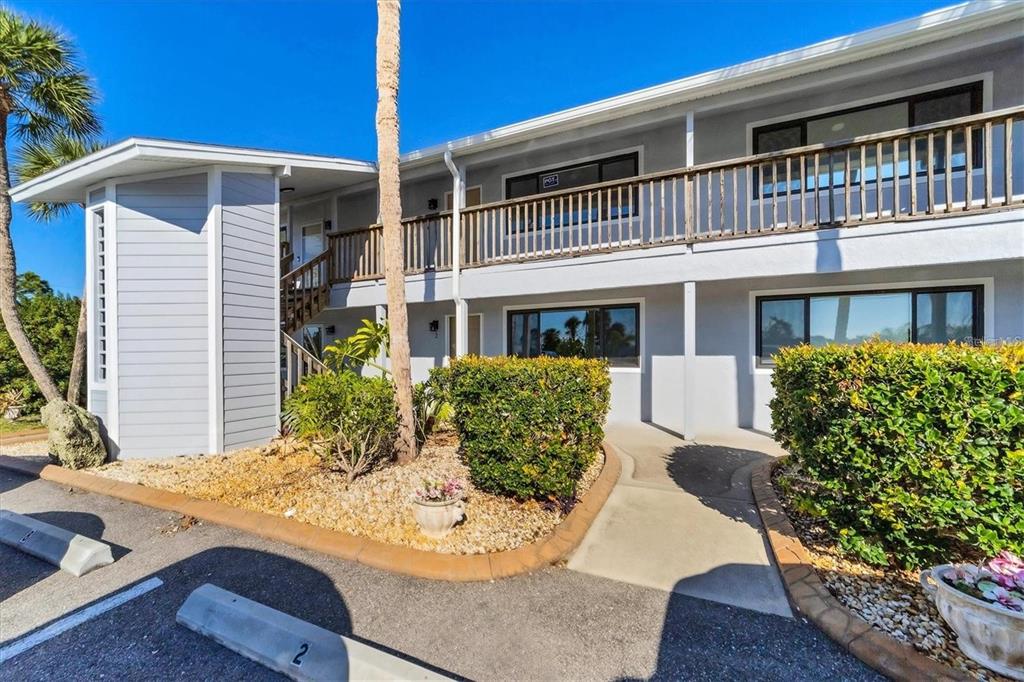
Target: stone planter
12, 413
436, 519
992, 636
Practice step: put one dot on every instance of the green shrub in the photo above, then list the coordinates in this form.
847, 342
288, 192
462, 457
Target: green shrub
353, 420
915, 454
528, 427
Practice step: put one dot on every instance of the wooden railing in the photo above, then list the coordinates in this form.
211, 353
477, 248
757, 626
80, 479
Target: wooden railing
296, 363
305, 291
970, 164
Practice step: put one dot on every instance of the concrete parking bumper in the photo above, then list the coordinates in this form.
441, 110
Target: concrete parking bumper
73, 553
291, 646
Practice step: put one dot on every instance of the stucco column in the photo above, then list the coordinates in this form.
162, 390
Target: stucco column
689, 358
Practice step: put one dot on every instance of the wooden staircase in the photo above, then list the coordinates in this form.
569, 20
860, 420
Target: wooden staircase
305, 291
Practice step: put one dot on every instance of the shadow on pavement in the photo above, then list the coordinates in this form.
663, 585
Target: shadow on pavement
702, 639
717, 475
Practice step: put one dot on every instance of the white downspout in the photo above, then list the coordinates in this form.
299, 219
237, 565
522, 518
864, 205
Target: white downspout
461, 308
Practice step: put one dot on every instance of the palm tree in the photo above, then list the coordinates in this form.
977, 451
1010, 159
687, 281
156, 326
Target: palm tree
388, 15
36, 158
43, 94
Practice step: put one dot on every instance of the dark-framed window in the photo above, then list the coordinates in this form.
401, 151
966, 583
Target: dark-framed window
893, 114
604, 331
618, 167
918, 315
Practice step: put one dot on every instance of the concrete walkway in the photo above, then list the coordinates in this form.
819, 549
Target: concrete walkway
682, 519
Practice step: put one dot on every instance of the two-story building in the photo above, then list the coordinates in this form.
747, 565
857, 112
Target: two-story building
868, 185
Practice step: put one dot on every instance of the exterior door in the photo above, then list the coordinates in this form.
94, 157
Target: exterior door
311, 242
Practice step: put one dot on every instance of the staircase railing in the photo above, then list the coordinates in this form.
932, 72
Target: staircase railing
296, 363
305, 291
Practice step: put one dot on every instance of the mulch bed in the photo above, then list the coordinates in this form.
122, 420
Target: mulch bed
293, 482
890, 600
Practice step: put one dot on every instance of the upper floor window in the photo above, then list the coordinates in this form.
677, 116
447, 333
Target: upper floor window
904, 112
935, 315
577, 175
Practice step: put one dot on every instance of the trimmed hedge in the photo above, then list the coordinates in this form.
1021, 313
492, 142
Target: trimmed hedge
529, 428
914, 453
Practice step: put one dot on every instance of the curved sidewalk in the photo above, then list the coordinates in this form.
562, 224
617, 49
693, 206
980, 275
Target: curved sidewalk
682, 518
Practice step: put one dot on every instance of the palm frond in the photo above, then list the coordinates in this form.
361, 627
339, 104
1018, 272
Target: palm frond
37, 157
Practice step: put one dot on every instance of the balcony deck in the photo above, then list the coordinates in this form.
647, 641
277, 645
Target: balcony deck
963, 166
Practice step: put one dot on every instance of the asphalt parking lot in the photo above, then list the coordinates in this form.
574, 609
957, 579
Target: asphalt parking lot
555, 624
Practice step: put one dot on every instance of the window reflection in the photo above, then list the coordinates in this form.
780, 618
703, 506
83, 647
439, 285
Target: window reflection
592, 332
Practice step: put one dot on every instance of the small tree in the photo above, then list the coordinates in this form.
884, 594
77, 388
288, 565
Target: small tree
43, 95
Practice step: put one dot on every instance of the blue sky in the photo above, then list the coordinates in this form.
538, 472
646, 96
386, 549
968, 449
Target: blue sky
298, 76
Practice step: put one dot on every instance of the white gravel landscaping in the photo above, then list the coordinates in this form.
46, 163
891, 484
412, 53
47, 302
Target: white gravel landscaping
294, 483
891, 600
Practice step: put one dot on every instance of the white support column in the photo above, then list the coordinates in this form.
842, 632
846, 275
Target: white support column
215, 311
689, 359
461, 307
689, 138
113, 358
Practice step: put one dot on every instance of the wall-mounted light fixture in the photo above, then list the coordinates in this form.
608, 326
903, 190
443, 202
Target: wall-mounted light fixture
434, 326
286, 190
431, 204
330, 329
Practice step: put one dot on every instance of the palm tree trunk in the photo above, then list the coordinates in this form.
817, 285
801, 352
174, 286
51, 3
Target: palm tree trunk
9, 278
78, 359
388, 14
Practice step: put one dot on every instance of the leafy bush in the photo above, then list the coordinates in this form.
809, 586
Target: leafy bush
528, 427
352, 420
51, 322
914, 453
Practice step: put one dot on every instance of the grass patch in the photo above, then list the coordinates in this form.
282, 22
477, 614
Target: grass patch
20, 424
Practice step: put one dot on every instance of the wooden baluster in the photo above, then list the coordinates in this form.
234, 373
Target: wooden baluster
831, 187
912, 152
1008, 160
948, 167
896, 178
641, 211
878, 180
846, 188
618, 211
789, 192
775, 195
931, 172
661, 195
687, 209
863, 182
748, 198
710, 204
989, 165
721, 201
817, 190
969, 174
803, 189
675, 208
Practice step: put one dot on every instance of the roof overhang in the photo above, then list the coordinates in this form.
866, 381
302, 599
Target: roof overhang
306, 173
921, 30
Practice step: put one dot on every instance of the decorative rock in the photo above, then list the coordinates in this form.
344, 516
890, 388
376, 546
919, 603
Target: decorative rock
75, 441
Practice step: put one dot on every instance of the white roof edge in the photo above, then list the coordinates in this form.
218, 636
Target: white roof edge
922, 29
157, 149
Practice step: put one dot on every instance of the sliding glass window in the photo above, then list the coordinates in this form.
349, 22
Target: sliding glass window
915, 315
611, 332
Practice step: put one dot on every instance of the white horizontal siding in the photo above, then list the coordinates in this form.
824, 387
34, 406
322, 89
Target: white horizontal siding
251, 361
162, 312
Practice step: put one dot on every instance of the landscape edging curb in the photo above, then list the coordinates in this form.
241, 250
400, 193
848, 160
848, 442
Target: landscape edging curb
26, 436
548, 550
809, 596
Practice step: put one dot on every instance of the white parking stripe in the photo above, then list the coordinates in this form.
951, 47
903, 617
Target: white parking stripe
75, 619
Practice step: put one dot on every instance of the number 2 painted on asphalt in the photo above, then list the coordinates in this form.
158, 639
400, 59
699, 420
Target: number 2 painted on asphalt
302, 652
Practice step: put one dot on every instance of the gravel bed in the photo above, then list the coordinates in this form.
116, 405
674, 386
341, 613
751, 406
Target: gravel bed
30, 449
295, 484
891, 600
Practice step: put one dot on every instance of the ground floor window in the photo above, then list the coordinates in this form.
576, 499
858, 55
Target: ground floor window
611, 332
932, 315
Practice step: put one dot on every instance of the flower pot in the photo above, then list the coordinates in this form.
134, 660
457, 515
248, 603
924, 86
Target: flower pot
12, 413
436, 519
992, 636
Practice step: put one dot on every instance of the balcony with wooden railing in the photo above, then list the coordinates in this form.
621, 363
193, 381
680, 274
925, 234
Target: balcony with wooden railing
961, 166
